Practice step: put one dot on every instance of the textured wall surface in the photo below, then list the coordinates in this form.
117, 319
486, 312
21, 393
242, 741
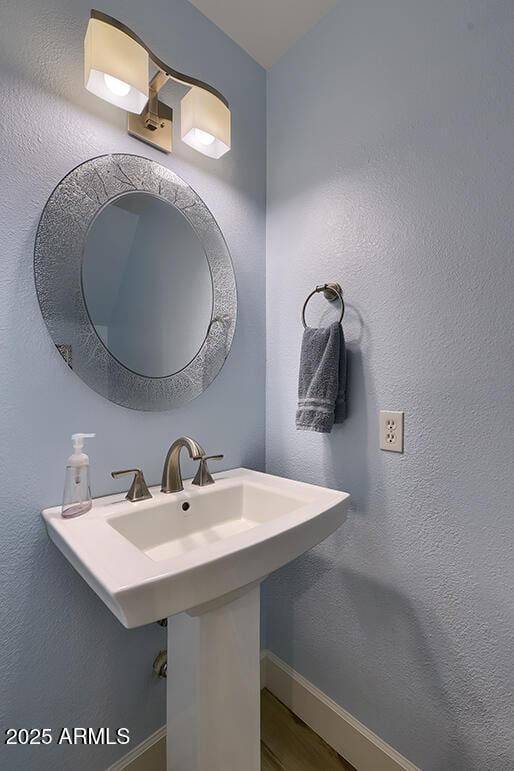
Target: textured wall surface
390, 170
64, 659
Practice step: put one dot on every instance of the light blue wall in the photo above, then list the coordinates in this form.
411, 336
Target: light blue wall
64, 659
390, 170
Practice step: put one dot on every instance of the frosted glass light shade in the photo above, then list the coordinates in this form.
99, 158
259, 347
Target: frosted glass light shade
115, 67
205, 123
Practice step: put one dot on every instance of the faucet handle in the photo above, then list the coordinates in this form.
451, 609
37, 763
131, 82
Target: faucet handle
203, 476
138, 490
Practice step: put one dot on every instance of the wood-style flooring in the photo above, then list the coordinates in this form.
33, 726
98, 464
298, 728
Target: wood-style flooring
287, 744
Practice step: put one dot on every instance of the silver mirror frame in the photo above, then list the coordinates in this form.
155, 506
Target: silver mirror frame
58, 255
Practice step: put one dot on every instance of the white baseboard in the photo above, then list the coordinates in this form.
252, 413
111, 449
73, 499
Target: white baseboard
344, 733
138, 751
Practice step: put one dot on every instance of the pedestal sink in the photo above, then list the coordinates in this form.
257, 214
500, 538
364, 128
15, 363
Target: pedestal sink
203, 551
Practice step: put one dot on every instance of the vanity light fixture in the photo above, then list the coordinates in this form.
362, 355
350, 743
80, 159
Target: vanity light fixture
116, 68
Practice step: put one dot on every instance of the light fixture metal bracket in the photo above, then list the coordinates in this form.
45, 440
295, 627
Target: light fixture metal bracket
155, 124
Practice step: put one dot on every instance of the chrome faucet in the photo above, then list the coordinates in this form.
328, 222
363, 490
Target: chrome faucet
171, 473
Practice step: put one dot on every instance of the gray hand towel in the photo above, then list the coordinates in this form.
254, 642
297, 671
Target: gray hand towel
340, 412
322, 379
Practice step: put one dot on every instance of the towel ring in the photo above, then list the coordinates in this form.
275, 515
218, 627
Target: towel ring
331, 292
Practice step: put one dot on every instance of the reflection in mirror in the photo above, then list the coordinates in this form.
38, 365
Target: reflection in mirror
147, 284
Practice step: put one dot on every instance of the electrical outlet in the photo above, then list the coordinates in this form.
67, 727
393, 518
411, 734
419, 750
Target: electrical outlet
391, 431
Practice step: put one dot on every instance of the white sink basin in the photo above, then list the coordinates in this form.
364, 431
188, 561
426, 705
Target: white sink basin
175, 552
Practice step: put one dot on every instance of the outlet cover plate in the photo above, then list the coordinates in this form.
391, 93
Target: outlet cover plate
391, 430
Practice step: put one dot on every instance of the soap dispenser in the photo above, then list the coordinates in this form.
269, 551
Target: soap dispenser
77, 491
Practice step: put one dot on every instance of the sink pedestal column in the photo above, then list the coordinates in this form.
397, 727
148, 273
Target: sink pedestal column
213, 686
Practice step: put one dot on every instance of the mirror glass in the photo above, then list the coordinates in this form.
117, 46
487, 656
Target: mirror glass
147, 284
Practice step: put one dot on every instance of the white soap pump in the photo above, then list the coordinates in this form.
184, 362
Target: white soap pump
76, 498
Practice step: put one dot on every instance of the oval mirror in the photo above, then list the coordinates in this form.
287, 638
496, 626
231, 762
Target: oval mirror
135, 282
